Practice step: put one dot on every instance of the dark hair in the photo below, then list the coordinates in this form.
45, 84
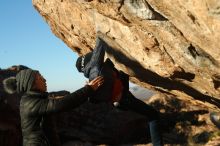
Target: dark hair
78, 63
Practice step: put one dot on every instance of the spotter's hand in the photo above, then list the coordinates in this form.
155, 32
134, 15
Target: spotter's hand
96, 83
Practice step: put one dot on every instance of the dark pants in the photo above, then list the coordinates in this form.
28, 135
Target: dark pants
129, 102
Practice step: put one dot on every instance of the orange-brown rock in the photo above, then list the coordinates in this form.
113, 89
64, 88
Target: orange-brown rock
168, 46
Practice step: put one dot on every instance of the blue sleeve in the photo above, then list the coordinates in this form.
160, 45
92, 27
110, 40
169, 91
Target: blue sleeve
93, 67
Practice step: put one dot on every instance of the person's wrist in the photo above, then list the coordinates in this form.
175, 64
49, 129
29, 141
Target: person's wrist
89, 88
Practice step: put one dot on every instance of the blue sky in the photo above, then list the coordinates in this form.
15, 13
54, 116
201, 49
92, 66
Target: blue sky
26, 39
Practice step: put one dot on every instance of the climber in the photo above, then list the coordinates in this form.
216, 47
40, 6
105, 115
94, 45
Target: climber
35, 104
116, 87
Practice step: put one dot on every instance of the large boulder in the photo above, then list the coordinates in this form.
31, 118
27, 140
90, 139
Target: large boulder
168, 46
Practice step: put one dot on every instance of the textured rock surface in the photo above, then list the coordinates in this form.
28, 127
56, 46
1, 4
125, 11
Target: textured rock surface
168, 46
184, 122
